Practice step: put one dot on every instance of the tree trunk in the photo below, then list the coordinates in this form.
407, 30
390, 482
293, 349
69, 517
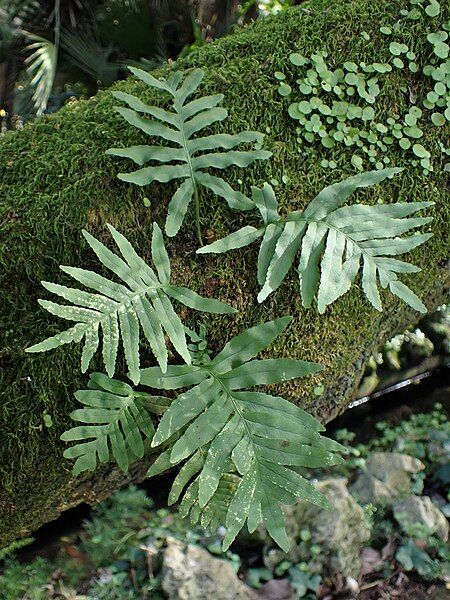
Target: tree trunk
8, 80
55, 179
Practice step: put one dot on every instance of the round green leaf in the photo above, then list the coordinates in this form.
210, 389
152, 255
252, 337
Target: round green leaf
396, 49
438, 119
420, 151
327, 142
382, 67
433, 9
293, 111
441, 49
298, 60
351, 67
284, 89
440, 88
304, 107
305, 88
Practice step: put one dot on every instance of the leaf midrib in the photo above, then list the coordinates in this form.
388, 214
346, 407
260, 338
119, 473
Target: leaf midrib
124, 306
238, 411
363, 251
181, 128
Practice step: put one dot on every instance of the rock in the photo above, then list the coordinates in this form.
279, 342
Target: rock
191, 573
371, 561
276, 589
420, 510
340, 533
386, 477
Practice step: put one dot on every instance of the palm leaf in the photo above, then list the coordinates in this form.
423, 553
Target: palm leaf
116, 422
41, 67
190, 155
121, 311
335, 242
223, 430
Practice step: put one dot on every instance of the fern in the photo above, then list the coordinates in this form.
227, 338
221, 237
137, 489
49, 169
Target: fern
190, 156
223, 429
339, 239
121, 310
117, 419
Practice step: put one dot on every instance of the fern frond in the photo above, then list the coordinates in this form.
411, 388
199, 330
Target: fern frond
120, 311
222, 428
117, 422
214, 514
335, 242
191, 155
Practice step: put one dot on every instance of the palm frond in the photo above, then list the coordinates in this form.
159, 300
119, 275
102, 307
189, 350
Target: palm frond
41, 67
87, 54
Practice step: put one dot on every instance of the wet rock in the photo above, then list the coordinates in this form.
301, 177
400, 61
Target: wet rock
340, 533
371, 561
276, 589
420, 510
387, 476
191, 573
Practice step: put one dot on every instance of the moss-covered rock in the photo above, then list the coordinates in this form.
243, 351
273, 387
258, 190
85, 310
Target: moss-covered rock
55, 179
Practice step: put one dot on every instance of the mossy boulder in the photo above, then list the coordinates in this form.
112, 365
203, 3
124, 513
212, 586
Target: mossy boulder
56, 179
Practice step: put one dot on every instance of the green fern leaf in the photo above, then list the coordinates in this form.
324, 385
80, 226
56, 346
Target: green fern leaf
191, 155
335, 242
116, 421
214, 514
120, 311
220, 428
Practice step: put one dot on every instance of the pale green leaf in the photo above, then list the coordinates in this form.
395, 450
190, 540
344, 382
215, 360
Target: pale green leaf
189, 156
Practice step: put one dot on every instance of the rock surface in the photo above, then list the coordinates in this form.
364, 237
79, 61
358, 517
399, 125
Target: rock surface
420, 510
191, 573
341, 533
387, 476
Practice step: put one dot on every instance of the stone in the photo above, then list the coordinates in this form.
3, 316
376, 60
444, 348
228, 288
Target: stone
276, 589
341, 533
386, 477
191, 573
420, 510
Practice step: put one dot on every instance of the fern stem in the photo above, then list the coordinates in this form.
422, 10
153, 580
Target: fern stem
197, 216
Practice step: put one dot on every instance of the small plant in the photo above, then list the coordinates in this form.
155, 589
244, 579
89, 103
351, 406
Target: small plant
339, 238
240, 445
192, 156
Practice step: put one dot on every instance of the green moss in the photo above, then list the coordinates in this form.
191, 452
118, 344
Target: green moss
55, 179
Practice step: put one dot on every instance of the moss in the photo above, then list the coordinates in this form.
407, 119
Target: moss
55, 179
